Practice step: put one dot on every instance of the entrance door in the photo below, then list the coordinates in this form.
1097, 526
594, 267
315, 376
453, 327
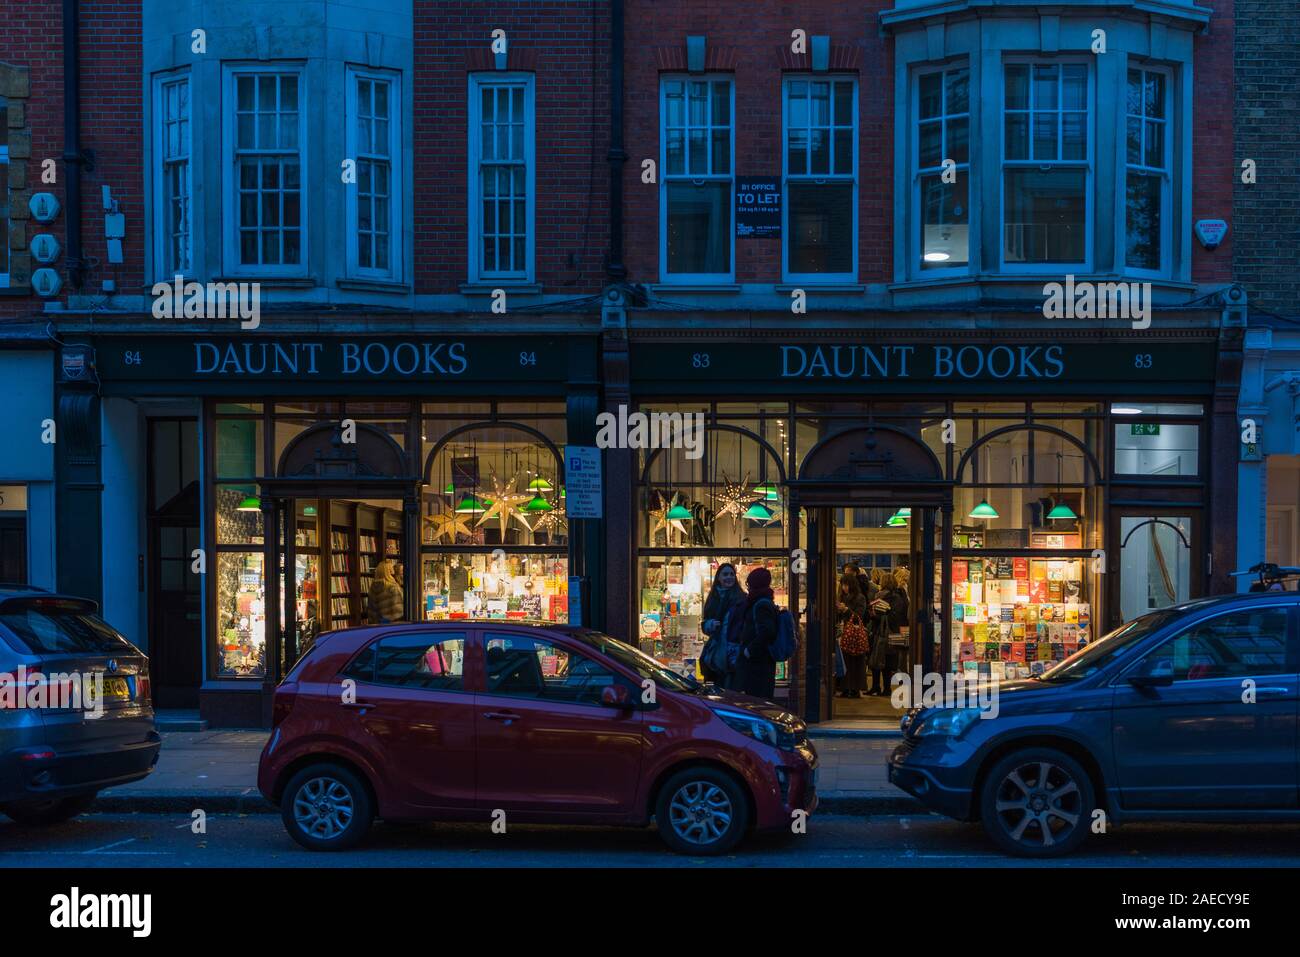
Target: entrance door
1156, 564
175, 648
13, 548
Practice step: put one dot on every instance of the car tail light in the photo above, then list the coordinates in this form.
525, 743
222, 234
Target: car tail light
282, 704
143, 689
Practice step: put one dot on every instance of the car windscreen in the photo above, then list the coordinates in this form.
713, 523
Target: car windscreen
58, 631
637, 660
1090, 659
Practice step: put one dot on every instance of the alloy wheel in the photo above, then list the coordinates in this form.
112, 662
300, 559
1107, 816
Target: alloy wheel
700, 812
323, 807
1038, 804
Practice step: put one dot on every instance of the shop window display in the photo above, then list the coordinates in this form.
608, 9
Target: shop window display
479, 586
241, 614
674, 589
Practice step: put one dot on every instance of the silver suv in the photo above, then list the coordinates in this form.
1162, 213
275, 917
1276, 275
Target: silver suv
75, 715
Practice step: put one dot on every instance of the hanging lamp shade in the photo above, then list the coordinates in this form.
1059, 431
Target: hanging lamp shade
897, 520
767, 491
309, 510
679, 513
469, 505
984, 510
249, 503
1061, 510
758, 512
538, 504
539, 484
905, 512
449, 489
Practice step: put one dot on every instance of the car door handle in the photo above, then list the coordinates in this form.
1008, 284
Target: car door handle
506, 716
362, 706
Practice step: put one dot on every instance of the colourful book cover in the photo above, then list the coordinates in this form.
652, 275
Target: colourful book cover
959, 572
1038, 591
1031, 650
1054, 590
1038, 571
998, 670
1017, 651
1018, 631
1020, 567
967, 652
1071, 614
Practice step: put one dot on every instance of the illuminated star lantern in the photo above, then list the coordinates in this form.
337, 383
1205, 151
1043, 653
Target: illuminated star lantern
449, 524
667, 507
733, 498
552, 522
505, 505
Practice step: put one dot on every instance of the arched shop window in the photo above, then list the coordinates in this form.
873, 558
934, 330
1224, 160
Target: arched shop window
494, 534
721, 499
1026, 520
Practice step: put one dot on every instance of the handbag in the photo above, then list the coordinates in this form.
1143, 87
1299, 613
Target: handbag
841, 666
854, 640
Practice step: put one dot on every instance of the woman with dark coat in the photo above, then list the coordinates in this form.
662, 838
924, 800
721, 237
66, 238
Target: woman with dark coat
889, 615
725, 593
755, 667
852, 602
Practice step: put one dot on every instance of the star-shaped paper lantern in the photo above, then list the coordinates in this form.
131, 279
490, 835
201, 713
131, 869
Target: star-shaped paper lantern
732, 498
449, 524
661, 519
505, 505
552, 522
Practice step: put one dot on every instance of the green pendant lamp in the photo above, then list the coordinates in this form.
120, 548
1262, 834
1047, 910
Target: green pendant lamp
539, 484
309, 510
767, 491
897, 520
249, 503
1061, 510
679, 513
538, 504
758, 512
449, 489
984, 510
469, 505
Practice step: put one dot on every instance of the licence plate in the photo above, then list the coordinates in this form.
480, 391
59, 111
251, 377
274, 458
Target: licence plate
116, 689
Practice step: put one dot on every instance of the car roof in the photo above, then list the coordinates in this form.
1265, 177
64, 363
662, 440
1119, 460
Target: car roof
10, 591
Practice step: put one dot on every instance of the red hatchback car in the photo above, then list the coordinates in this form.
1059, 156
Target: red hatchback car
467, 721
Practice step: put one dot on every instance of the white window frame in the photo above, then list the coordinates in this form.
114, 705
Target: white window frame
477, 82
230, 184
5, 219
1089, 165
917, 172
1167, 176
164, 269
787, 178
395, 190
702, 278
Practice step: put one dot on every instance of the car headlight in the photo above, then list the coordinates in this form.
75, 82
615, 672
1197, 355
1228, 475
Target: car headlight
949, 722
759, 729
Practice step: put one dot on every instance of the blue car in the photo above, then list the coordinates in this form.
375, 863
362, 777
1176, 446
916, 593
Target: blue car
1189, 713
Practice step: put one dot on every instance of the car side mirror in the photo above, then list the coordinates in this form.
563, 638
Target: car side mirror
616, 696
1154, 680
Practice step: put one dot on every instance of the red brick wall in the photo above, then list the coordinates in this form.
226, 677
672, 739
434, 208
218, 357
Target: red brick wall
567, 45
754, 41
1214, 167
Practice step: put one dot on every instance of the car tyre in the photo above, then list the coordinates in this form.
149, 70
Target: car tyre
326, 807
1037, 803
52, 811
701, 811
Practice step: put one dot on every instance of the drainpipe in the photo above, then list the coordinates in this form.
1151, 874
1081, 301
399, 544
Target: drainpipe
72, 155
617, 157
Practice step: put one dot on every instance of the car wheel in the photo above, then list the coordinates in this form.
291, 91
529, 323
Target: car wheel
45, 813
701, 811
326, 808
1037, 803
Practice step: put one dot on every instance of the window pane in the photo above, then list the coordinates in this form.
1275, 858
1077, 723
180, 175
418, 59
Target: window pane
421, 661
1154, 94
1238, 645
821, 103
944, 219
1045, 126
721, 104
241, 614
1134, 99
1045, 215
958, 91
959, 140
819, 163
844, 104
699, 152
699, 104
1154, 145
843, 153
676, 152
931, 95
722, 151
699, 228
931, 144
1133, 150
1074, 87
797, 155
1074, 136
821, 228
1017, 136
1045, 86
520, 666
1156, 448
674, 103
797, 103
1017, 87
1143, 221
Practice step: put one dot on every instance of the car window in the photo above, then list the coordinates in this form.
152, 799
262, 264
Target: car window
430, 661
522, 666
52, 632
1239, 644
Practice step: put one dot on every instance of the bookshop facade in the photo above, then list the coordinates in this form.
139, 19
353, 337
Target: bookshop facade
341, 481
1027, 497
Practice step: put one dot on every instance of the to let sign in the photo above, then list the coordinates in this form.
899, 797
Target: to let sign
758, 208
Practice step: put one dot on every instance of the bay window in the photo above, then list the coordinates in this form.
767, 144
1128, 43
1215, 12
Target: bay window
698, 179
1147, 171
1046, 164
821, 144
943, 145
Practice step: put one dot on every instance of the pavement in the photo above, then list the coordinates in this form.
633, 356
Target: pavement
217, 771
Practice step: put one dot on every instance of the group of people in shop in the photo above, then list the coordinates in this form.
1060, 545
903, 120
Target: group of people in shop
877, 604
746, 619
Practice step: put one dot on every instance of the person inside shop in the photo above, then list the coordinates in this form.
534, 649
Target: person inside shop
386, 602
851, 613
725, 593
889, 614
755, 667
